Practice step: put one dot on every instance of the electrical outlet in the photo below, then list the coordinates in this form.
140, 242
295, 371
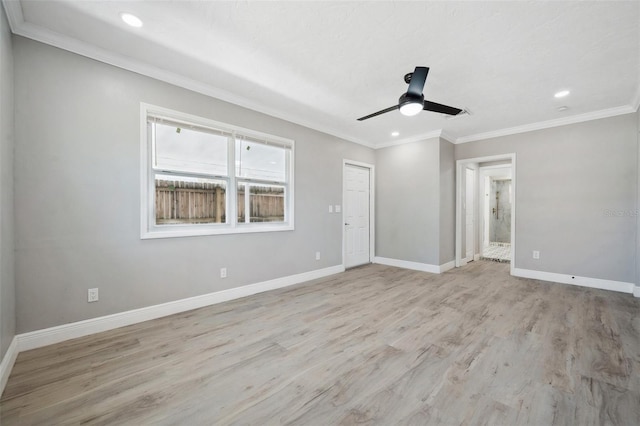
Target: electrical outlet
92, 295
317, 255
536, 254
330, 208
337, 209
223, 272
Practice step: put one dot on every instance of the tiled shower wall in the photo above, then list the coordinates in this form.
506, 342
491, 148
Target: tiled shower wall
500, 223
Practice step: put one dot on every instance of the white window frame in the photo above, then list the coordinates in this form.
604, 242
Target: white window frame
148, 227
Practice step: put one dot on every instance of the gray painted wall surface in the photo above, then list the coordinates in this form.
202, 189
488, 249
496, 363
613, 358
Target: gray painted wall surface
576, 196
447, 202
7, 279
77, 186
407, 202
638, 201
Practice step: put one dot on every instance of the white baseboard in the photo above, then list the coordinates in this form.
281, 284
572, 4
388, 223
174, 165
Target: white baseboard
49, 336
620, 286
636, 291
447, 266
416, 266
6, 365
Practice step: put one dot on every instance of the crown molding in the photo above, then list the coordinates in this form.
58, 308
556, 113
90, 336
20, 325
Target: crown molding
449, 138
13, 9
19, 26
589, 116
25, 29
635, 103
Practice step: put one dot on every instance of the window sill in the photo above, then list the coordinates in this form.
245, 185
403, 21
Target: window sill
223, 230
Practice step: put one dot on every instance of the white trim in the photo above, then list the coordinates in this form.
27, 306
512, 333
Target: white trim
620, 286
594, 115
372, 208
635, 102
449, 138
460, 165
6, 365
48, 336
26, 29
416, 266
14, 14
447, 266
476, 256
636, 291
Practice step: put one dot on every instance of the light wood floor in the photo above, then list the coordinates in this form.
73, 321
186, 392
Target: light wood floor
375, 345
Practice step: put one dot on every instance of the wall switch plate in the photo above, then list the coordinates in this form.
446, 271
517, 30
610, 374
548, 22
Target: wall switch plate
92, 295
223, 272
317, 255
330, 208
536, 254
337, 208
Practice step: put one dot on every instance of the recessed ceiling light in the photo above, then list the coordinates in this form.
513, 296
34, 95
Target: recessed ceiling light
131, 20
395, 133
561, 94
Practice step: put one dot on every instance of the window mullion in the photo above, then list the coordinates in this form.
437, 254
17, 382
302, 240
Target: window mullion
232, 191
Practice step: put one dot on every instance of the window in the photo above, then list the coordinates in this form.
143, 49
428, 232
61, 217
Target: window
201, 177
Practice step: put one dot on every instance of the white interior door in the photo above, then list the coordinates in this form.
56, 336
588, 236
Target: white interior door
356, 215
469, 214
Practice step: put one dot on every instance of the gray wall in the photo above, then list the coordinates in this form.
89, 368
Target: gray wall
7, 280
638, 202
77, 165
407, 202
447, 202
576, 196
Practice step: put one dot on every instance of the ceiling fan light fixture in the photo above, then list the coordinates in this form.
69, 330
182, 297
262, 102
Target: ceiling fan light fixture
410, 105
410, 109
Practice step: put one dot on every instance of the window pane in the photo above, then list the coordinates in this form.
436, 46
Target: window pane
265, 204
190, 150
181, 199
259, 161
241, 202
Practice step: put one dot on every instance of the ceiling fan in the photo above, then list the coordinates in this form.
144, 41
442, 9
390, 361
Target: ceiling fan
412, 102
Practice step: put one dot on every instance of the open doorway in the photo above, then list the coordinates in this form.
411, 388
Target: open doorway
496, 199
486, 209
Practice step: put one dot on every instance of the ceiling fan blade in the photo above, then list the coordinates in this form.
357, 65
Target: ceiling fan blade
444, 109
379, 112
418, 78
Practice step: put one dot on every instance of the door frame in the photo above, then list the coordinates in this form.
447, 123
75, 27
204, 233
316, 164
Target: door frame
460, 170
372, 211
474, 209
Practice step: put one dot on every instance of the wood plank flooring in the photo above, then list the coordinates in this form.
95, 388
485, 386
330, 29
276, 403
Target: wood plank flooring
374, 345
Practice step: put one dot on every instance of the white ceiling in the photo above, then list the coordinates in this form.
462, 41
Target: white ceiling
324, 64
